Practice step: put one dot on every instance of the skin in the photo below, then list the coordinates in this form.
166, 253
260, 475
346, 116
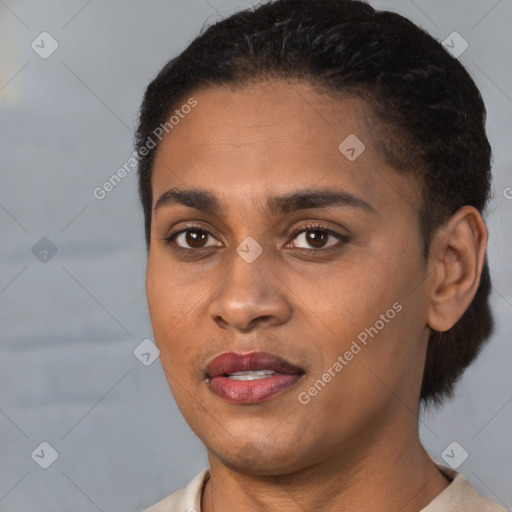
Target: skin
355, 445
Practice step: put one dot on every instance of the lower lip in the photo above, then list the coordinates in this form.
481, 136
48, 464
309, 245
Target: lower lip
252, 391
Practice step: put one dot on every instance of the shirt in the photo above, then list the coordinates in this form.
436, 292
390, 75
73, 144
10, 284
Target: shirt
459, 496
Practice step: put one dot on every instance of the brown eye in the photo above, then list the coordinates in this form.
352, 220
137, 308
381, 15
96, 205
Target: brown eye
316, 238
193, 238
196, 238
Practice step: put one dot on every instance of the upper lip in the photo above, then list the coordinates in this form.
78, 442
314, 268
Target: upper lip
231, 362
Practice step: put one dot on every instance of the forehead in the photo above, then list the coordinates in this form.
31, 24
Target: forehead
276, 136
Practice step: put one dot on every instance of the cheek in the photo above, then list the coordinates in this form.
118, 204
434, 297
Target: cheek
375, 300
168, 311
168, 303
176, 309
351, 296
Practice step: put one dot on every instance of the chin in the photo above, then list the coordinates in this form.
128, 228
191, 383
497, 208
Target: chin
255, 458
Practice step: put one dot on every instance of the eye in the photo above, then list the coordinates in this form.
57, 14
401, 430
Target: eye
317, 237
193, 237
312, 237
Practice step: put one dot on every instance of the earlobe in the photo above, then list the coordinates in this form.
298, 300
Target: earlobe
455, 264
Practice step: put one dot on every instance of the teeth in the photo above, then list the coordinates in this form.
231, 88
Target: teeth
250, 375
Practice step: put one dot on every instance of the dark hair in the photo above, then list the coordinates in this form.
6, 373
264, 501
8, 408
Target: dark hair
431, 118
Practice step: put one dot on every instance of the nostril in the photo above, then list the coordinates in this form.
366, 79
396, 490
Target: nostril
260, 320
220, 322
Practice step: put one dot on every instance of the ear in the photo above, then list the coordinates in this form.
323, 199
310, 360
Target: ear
456, 258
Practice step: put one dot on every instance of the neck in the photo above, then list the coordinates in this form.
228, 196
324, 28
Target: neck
392, 474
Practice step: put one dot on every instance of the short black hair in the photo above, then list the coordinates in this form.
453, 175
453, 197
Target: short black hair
430, 118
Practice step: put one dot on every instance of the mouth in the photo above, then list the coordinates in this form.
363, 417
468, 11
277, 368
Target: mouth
250, 378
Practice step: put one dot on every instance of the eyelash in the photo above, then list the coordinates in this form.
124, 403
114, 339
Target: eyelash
296, 232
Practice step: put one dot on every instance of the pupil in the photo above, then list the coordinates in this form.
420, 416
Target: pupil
196, 238
316, 238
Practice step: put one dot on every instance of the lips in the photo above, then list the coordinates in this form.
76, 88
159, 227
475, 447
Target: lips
250, 378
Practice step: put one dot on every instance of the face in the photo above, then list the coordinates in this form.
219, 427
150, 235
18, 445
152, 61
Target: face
285, 277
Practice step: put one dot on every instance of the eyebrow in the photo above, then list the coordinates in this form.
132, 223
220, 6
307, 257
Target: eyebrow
303, 199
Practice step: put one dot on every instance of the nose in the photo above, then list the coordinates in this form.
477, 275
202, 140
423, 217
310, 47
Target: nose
249, 297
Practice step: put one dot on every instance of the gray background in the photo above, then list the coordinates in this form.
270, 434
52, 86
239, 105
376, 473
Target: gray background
69, 326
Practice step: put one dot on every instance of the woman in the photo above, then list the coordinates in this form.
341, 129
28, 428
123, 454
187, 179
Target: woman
313, 177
